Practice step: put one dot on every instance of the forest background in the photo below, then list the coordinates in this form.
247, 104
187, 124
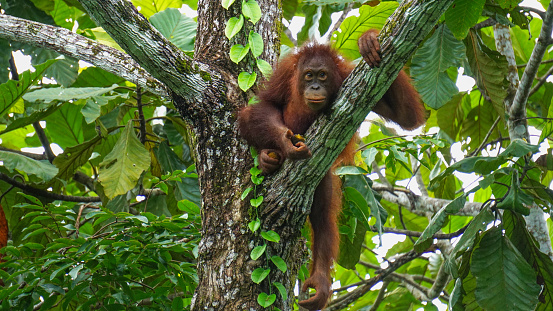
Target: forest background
134, 141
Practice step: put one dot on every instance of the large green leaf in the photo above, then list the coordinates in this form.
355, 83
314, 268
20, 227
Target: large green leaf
41, 169
176, 27
66, 126
353, 27
12, 91
462, 15
66, 94
122, 167
489, 69
429, 64
504, 279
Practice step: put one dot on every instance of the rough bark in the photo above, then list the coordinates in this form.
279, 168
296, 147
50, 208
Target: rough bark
71, 44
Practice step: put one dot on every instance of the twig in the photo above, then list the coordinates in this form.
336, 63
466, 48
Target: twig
541, 81
483, 144
381, 295
340, 20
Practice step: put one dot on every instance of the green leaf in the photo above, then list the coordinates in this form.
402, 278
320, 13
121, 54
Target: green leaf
74, 157
234, 25
438, 222
516, 199
519, 148
266, 300
12, 91
479, 223
227, 3
281, 289
429, 64
279, 263
254, 224
258, 251
264, 67
251, 10
67, 128
256, 201
189, 207
238, 52
503, 277
271, 236
480, 165
462, 15
66, 94
255, 41
353, 27
259, 274
176, 27
350, 170
489, 68
41, 169
246, 80
122, 167
517, 231
245, 193
350, 249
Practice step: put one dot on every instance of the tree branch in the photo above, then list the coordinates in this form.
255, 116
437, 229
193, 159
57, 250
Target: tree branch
421, 205
330, 133
517, 112
44, 193
187, 79
70, 44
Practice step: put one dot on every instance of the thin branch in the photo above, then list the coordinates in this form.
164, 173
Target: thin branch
534, 10
70, 44
421, 205
484, 141
47, 194
381, 295
340, 20
44, 141
487, 23
541, 81
34, 156
544, 62
141, 119
410, 233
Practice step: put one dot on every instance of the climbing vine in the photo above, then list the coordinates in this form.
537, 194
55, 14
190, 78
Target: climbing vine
252, 13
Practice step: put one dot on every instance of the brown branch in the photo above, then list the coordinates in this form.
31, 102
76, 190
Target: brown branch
345, 300
44, 193
439, 236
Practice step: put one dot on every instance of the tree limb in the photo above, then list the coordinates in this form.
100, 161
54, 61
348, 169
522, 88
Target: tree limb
187, 79
421, 205
44, 193
70, 44
329, 134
